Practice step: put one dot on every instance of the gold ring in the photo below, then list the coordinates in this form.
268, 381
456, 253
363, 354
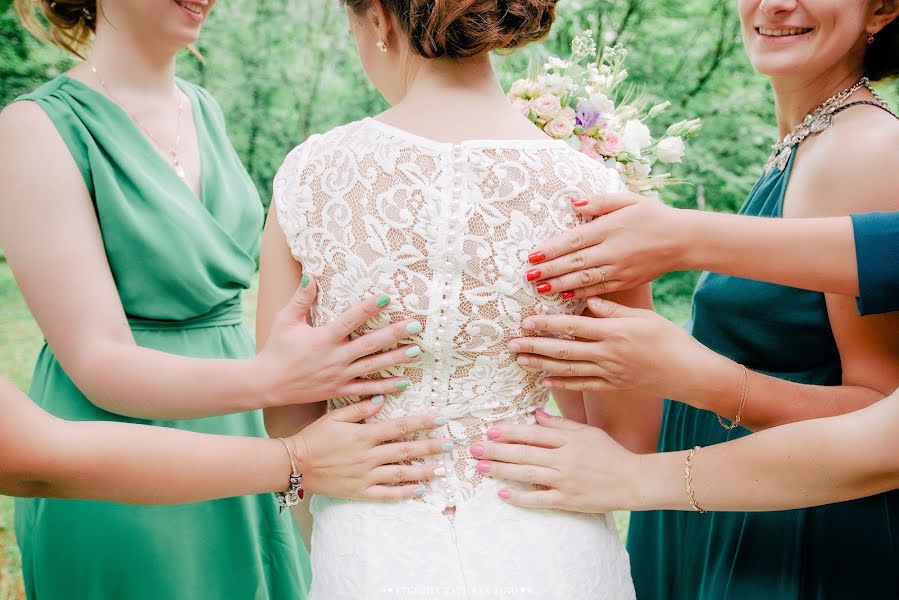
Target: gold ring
602, 275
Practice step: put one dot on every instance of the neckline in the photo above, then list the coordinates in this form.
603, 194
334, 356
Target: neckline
195, 115
479, 143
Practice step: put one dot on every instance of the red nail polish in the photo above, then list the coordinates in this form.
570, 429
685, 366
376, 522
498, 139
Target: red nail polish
534, 275
580, 203
567, 295
544, 288
483, 466
493, 433
535, 258
477, 450
505, 494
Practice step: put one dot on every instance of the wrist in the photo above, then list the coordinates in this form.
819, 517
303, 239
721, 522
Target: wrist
266, 392
693, 240
659, 482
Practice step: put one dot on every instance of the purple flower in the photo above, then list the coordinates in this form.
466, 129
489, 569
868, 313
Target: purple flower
587, 115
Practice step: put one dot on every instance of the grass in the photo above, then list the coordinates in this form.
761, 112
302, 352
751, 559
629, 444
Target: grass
20, 341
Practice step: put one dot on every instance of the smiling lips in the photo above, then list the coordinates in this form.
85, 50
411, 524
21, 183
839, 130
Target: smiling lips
782, 31
195, 8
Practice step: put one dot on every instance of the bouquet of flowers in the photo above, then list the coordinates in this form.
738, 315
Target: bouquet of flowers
589, 107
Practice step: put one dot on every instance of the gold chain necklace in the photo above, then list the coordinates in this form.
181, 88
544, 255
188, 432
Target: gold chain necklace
815, 122
172, 153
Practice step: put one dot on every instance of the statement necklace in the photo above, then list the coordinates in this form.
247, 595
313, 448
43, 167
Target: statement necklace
172, 153
815, 122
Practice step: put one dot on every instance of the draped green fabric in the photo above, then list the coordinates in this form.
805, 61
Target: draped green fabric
840, 552
180, 264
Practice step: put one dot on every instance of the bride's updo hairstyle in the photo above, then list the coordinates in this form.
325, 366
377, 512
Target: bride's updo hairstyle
882, 57
70, 24
466, 28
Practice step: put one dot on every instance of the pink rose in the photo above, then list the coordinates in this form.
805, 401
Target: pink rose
590, 147
611, 145
546, 106
560, 128
523, 105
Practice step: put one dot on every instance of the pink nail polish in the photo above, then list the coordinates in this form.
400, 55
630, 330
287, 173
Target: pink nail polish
493, 433
505, 494
543, 413
477, 450
580, 203
483, 466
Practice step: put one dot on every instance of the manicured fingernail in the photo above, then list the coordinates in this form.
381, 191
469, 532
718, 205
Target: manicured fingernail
505, 494
544, 288
419, 491
440, 420
304, 281
533, 274
440, 472
447, 446
376, 400
567, 295
543, 413
477, 450
383, 300
514, 346
413, 351
413, 328
401, 385
580, 203
535, 258
483, 466
493, 433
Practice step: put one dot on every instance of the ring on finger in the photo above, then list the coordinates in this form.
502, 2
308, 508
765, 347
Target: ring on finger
602, 275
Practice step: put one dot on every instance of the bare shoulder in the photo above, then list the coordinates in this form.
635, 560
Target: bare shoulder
28, 136
853, 167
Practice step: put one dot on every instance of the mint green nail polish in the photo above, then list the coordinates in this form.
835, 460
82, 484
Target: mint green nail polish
401, 385
447, 446
419, 491
304, 281
413, 328
413, 352
376, 400
440, 421
383, 300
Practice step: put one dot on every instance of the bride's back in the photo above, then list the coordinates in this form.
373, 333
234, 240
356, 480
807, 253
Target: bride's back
445, 230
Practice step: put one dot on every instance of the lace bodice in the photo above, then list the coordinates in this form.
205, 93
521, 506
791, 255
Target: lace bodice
445, 230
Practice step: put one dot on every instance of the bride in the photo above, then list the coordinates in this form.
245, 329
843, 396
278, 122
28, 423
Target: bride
434, 204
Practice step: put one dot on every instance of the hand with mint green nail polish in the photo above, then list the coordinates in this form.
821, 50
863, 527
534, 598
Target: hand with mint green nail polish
301, 364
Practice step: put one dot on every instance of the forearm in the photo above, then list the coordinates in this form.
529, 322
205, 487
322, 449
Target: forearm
45, 456
815, 254
794, 466
148, 384
770, 401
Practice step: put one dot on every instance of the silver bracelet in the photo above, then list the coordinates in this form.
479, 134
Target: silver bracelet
293, 496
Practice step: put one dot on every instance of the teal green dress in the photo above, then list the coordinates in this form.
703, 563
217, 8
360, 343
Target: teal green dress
843, 551
180, 266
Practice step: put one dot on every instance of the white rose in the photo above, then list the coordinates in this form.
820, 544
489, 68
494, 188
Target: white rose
561, 127
671, 150
520, 89
636, 137
523, 105
546, 106
602, 103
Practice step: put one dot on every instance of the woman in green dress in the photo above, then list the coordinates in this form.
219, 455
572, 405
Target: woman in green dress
808, 354
132, 229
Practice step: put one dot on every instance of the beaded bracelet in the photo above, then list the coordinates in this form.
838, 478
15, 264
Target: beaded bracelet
744, 395
688, 477
293, 496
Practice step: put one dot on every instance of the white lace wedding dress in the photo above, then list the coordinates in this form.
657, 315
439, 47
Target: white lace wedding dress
445, 230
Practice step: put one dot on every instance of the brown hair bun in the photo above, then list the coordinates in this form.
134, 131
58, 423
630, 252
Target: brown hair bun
70, 24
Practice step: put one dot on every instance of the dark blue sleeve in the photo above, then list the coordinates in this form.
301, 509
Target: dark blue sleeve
877, 250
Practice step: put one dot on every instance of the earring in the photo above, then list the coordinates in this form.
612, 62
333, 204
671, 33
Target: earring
382, 46
870, 39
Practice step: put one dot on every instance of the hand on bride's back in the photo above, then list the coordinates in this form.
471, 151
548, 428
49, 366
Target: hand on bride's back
304, 364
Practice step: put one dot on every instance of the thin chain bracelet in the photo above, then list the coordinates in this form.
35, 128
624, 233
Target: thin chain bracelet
293, 496
744, 395
688, 478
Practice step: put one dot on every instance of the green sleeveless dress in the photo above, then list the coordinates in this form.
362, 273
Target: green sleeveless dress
180, 266
842, 551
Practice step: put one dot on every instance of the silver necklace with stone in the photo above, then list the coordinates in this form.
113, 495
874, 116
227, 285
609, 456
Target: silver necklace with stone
172, 153
815, 122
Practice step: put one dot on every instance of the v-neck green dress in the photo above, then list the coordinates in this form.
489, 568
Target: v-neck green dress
180, 266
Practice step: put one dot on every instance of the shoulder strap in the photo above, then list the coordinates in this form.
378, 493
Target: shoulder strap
864, 102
